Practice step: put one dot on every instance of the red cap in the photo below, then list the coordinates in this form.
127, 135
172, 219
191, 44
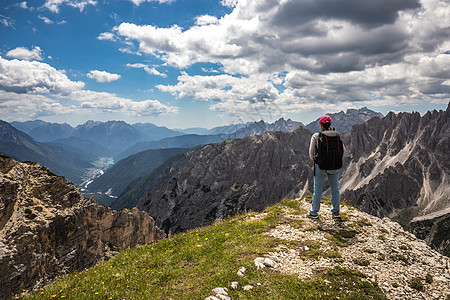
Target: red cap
325, 118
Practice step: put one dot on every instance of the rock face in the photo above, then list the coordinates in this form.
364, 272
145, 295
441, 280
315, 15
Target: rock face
399, 166
223, 179
48, 228
434, 231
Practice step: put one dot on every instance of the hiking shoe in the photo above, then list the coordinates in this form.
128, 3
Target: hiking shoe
309, 215
337, 216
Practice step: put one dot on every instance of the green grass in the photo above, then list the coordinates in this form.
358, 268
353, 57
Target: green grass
399, 257
189, 265
416, 283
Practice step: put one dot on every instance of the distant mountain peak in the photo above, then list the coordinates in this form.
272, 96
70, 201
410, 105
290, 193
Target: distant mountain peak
260, 127
344, 121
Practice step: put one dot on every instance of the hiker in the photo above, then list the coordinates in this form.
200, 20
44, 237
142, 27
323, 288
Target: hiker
326, 151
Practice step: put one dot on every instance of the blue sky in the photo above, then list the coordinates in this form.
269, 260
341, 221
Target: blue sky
205, 63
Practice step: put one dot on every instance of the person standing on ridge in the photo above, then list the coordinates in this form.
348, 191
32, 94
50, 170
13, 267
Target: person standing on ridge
326, 151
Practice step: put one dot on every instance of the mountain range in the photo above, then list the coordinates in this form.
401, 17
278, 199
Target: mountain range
396, 166
61, 161
69, 151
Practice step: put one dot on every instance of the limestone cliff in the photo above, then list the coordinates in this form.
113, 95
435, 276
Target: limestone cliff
48, 228
399, 166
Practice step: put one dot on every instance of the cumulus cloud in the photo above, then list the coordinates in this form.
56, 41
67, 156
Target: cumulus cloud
102, 76
229, 3
53, 5
148, 69
24, 53
34, 88
31, 105
21, 76
108, 102
308, 53
107, 36
206, 20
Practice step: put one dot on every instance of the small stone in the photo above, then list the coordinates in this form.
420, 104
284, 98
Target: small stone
259, 263
223, 297
220, 290
212, 298
269, 262
241, 271
234, 285
306, 248
248, 287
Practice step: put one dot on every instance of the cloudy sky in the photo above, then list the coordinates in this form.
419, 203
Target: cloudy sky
186, 63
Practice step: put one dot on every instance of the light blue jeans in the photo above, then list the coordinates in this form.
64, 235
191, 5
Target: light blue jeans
319, 178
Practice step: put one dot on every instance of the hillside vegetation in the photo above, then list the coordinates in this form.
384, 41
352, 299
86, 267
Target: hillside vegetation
190, 265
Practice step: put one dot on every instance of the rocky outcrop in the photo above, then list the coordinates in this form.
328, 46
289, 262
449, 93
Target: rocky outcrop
223, 179
434, 231
399, 166
48, 228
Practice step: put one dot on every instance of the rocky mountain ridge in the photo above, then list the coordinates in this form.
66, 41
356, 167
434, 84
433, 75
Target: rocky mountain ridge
259, 128
403, 157
344, 121
48, 228
396, 166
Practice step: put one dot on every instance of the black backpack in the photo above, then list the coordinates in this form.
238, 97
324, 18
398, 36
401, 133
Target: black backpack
329, 150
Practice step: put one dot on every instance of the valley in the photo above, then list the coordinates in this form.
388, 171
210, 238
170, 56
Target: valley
98, 169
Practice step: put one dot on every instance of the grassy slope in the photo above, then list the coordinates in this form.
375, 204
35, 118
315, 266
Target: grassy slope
189, 265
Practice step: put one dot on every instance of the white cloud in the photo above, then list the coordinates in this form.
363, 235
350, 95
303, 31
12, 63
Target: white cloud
21, 76
206, 20
148, 69
53, 5
46, 20
308, 53
102, 76
24, 53
107, 102
34, 88
223, 88
229, 3
6, 21
107, 36
23, 5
